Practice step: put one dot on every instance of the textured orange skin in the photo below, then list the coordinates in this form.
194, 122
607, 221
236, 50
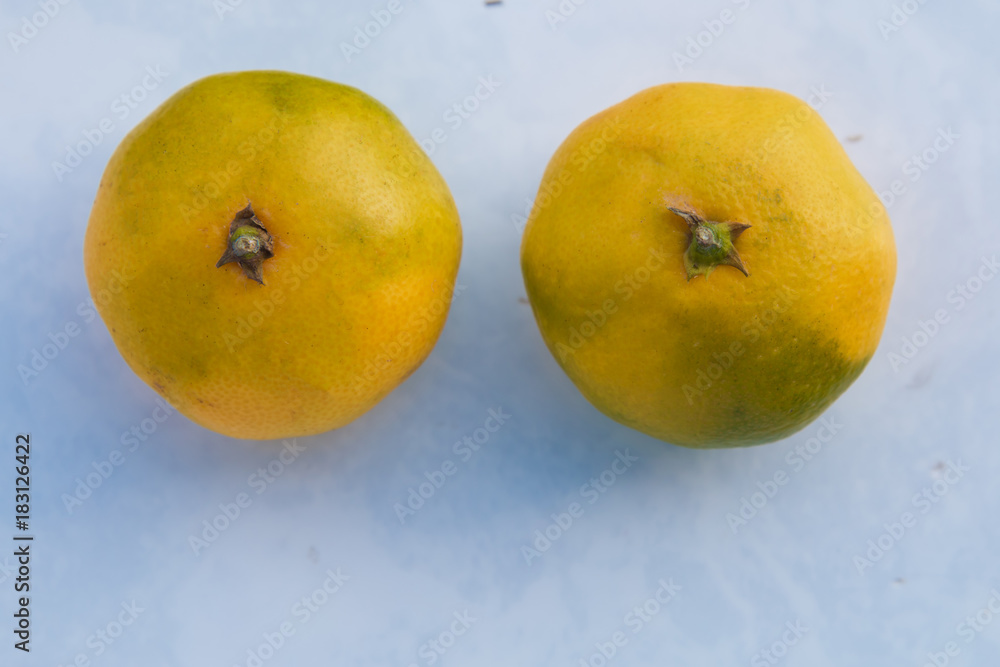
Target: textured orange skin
820, 254
367, 247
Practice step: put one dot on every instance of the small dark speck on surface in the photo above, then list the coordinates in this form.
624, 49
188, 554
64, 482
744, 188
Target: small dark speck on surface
920, 378
854, 138
522, 299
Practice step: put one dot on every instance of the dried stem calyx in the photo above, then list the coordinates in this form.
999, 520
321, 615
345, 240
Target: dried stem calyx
249, 244
711, 244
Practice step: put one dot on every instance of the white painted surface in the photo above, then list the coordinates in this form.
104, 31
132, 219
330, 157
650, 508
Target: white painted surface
664, 519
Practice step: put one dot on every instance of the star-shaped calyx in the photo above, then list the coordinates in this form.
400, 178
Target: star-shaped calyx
711, 244
249, 244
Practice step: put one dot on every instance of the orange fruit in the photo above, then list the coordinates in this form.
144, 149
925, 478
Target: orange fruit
707, 265
285, 253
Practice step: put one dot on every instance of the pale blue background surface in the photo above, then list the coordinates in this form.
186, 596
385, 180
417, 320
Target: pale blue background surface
663, 519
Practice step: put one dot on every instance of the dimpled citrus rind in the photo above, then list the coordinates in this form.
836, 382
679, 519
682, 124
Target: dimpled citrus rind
366, 251
727, 360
